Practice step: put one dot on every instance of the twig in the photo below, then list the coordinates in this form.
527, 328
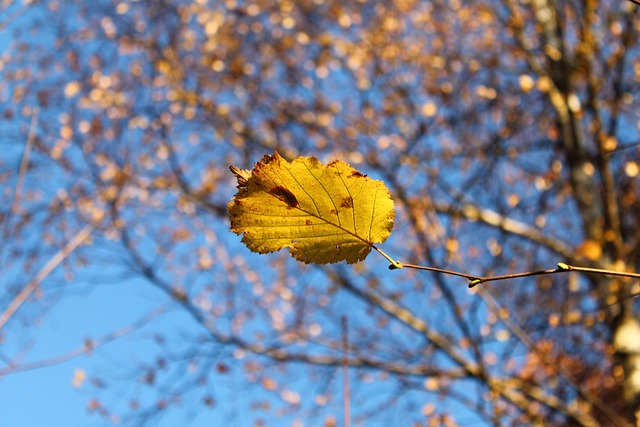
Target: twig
13, 17
280, 354
562, 268
506, 224
549, 361
24, 165
398, 264
476, 280
71, 245
567, 267
87, 347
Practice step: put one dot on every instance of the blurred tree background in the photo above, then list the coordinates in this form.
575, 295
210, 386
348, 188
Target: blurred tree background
506, 130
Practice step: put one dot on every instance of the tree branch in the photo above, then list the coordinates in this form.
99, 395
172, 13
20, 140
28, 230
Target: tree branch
476, 280
63, 253
510, 393
526, 340
274, 352
89, 346
24, 165
506, 224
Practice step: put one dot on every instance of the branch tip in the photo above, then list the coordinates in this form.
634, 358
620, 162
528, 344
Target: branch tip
395, 265
474, 282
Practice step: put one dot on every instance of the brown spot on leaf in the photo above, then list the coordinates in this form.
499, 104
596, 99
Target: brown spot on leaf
347, 202
284, 195
308, 222
358, 174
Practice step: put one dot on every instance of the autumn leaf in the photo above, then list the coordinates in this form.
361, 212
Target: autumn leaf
323, 214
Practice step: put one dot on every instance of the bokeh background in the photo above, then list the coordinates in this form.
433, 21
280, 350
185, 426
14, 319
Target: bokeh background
506, 130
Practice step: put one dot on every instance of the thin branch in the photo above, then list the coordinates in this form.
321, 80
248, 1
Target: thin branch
534, 62
13, 17
22, 171
274, 352
183, 182
513, 276
528, 342
562, 268
505, 317
510, 393
517, 392
398, 264
410, 319
425, 248
24, 164
63, 253
476, 280
88, 346
610, 206
567, 267
509, 225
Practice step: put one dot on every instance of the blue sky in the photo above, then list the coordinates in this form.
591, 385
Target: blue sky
46, 396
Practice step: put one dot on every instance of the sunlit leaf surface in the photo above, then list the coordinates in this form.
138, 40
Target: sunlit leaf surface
323, 214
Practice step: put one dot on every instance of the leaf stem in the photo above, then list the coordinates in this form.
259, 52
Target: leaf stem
394, 264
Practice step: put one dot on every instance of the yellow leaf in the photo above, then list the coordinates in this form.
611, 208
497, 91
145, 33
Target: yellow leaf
242, 175
323, 214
